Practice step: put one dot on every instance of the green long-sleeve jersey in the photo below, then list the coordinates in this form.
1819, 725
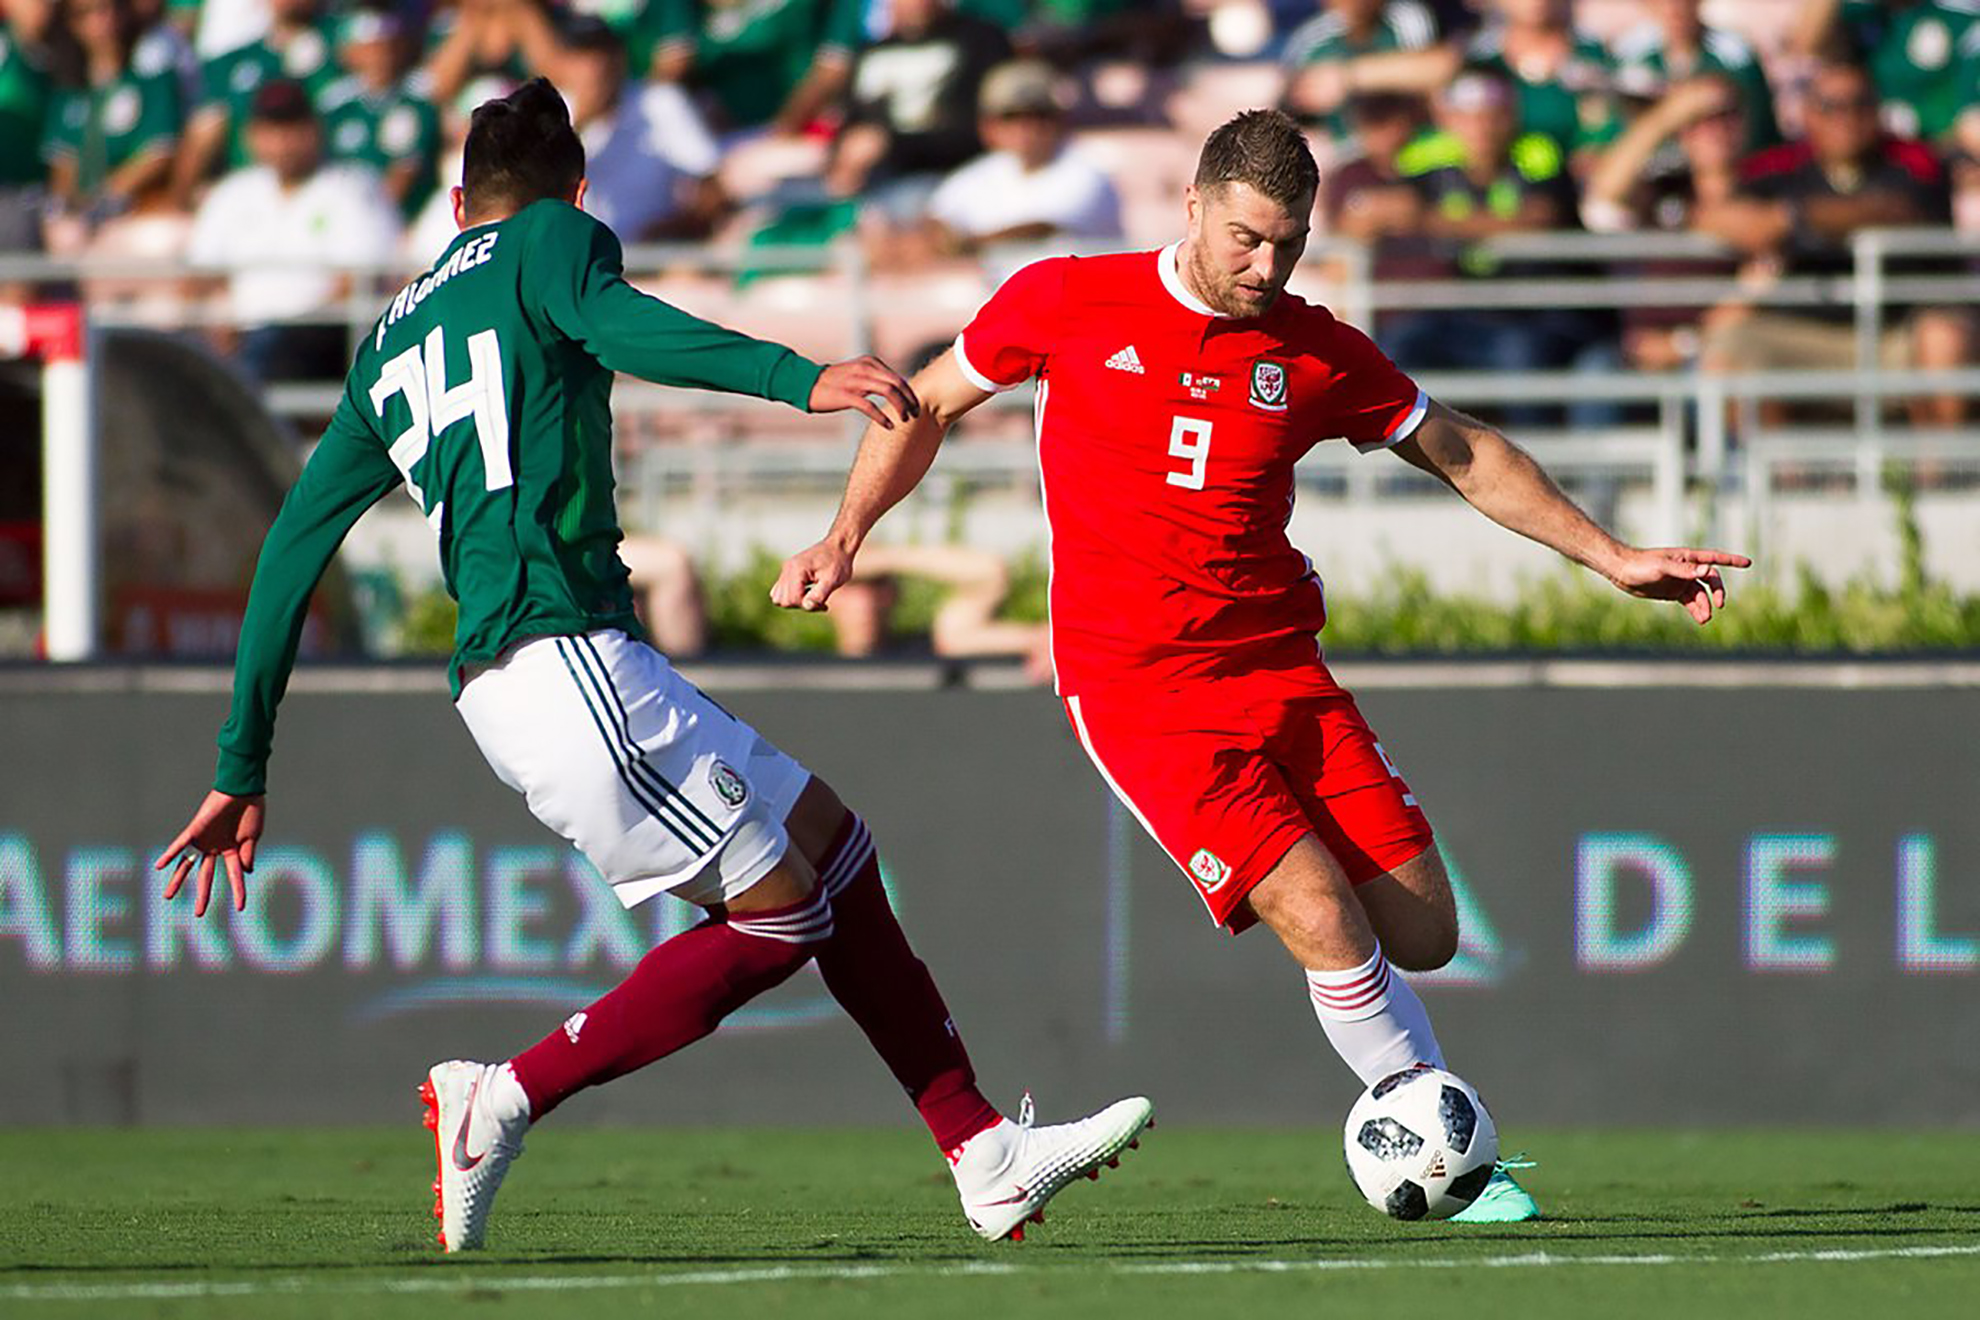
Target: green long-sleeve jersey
485, 388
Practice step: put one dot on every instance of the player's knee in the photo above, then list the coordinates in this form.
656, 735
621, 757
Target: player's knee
1316, 933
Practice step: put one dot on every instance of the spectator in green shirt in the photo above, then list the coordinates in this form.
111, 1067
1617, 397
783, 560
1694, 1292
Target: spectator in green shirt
25, 94
110, 137
1673, 44
1563, 82
775, 64
373, 117
1918, 55
1341, 31
512, 40
297, 47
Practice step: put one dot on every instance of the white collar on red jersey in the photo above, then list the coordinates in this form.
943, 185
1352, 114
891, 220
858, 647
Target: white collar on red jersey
1172, 280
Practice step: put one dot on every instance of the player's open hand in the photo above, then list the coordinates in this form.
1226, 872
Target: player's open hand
856, 382
811, 576
1689, 577
225, 827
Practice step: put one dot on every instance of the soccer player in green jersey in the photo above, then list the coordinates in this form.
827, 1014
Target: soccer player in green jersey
485, 390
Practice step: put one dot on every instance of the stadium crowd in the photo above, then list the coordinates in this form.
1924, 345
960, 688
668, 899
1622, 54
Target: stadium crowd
267, 142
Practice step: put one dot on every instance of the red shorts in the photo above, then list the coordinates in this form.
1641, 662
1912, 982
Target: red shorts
1228, 773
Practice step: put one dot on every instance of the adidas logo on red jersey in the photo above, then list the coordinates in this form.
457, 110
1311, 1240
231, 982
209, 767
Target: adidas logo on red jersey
1126, 360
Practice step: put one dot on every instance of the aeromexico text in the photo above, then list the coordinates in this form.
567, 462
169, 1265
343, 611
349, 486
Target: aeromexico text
444, 905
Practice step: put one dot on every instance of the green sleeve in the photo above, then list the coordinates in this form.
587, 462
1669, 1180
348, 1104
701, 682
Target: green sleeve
159, 114
213, 79
844, 30
59, 141
347, 474
672, 21
578, 289
1762, 129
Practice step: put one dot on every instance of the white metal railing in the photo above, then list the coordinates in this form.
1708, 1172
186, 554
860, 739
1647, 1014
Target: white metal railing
1868, 290
1685, 441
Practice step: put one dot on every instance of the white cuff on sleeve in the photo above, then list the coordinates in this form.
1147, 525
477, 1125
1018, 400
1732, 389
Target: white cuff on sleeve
977, 378
1402, 430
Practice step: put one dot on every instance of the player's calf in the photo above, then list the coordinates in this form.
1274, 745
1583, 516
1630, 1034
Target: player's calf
1413, 912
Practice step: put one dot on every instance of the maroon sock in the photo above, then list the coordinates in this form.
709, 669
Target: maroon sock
871, 971
677, 995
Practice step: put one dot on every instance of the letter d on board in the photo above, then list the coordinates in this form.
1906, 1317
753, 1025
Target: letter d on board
1600, 863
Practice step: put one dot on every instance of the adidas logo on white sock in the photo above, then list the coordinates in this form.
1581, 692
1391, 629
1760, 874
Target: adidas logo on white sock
1126, 360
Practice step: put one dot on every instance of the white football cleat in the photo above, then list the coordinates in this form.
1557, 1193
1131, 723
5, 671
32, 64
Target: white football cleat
1007, 1173
472, 1149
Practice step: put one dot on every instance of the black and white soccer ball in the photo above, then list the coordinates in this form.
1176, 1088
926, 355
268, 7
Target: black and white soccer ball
1420, 1144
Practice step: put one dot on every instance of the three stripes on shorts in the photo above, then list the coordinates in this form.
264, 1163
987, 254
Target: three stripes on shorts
662, 799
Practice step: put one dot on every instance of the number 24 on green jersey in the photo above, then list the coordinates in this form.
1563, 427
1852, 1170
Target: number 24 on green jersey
419, 375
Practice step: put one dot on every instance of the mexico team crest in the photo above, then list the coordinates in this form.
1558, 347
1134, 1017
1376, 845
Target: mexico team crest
731, 787
1268, 385
1208, 870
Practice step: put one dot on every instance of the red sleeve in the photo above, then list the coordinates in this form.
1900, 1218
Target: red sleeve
1010, 338
1370, 401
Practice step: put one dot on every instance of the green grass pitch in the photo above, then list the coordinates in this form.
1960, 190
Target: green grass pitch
755, 1224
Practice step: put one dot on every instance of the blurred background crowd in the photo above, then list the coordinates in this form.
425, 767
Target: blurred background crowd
289, 162
281, 139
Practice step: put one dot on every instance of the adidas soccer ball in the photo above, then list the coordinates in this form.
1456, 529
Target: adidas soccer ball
1420, 1144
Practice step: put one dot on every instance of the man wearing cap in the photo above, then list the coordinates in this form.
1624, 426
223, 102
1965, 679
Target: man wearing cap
1477, 178
280, 229
1031, 185
297, 46
371, 116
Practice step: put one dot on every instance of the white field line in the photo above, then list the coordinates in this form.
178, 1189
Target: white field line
461, 1283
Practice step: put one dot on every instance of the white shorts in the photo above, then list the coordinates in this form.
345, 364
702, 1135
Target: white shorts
660, 787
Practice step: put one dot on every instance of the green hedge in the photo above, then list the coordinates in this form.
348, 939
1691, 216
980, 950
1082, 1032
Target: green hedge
1570, 611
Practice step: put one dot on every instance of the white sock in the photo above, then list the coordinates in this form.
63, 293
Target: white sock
1373, 1019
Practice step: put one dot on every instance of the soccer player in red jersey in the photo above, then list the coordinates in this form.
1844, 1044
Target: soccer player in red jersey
1176, 390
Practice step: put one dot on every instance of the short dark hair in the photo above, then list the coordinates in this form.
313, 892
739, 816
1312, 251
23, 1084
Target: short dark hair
520, 149
1265, 149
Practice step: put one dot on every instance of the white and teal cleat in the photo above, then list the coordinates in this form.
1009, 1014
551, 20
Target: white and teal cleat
1503, 1201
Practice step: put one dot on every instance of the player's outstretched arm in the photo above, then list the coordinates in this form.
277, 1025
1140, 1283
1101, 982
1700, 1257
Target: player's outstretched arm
890, 463
1501, 481
225, 827
346, 475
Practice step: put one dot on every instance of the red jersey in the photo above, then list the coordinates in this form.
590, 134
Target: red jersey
1167, 436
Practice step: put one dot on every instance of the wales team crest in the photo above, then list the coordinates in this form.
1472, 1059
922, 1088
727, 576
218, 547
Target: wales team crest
1268, 385
731, 787
1208, 870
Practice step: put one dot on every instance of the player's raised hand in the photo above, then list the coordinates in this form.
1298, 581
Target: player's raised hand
225, 827
1689, 577
811, 576
855, 383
